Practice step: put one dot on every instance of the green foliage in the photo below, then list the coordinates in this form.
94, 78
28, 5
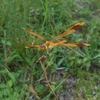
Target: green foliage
47, 18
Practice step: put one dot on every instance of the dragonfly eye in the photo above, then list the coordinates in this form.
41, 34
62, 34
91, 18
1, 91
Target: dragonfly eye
43, 47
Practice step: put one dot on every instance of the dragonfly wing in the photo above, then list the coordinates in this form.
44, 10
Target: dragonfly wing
51, 45
42, 47
59, 43
75, 44
70, 31
36, 35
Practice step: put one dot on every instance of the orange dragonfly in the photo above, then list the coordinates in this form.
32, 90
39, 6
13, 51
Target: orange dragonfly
51, 44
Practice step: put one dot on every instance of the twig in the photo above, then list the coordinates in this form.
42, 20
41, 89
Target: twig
43, 67
32, 90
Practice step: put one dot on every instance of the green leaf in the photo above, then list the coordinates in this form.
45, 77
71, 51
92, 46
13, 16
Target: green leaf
10, 83
60, 61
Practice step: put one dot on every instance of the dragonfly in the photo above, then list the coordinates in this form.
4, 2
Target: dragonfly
48, 45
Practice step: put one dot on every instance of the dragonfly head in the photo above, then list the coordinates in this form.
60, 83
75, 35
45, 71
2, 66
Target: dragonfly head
46, 46
43, 47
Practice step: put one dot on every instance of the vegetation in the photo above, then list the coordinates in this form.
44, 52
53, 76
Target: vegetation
48, 18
